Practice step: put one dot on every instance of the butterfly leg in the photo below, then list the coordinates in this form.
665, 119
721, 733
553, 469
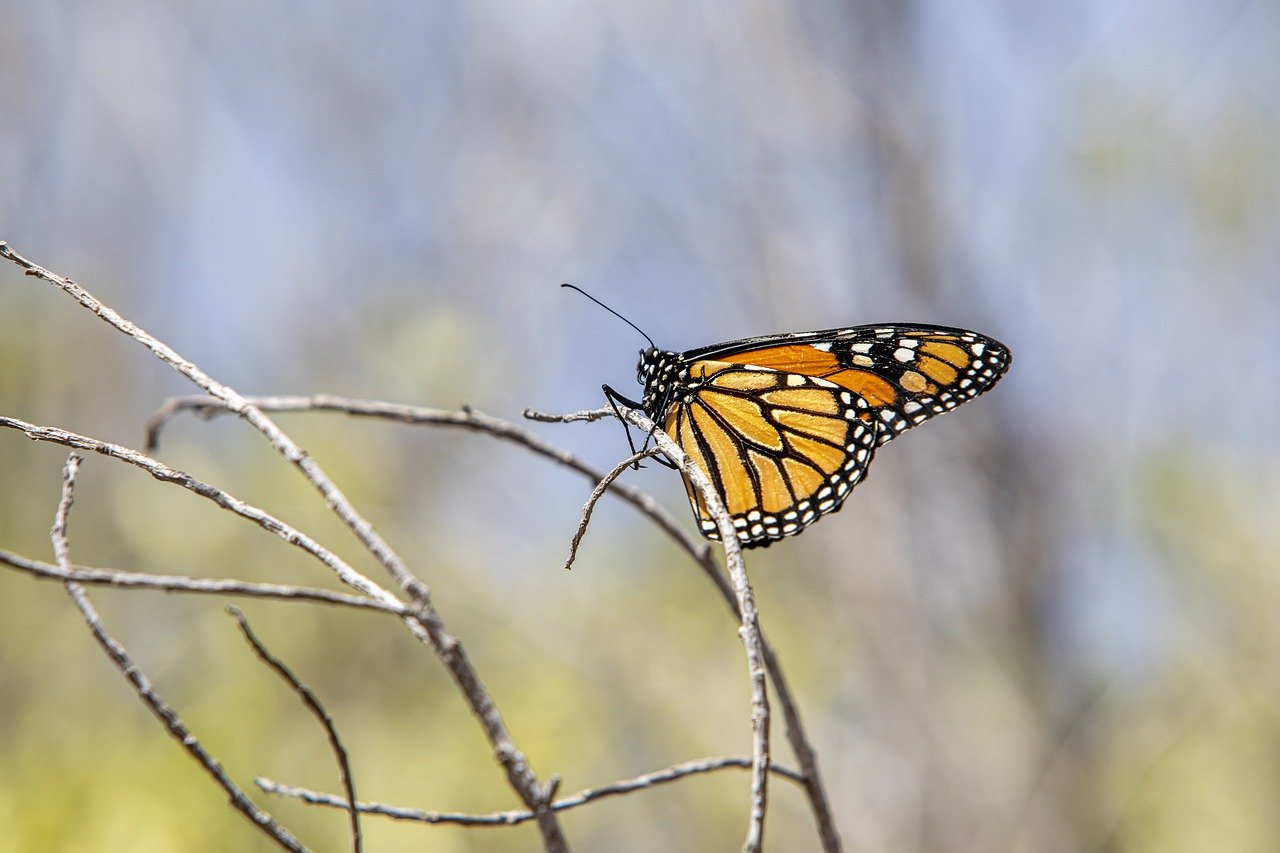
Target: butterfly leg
614, 399
663, 402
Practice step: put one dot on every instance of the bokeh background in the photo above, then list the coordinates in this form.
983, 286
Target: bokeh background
1047, 622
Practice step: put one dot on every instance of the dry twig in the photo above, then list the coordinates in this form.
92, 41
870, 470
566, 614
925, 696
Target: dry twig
142, 686
805, 754
594, 498
467, 418
205, 586
750, 630
426, 624
475, 420
508, 818
223, 499
423, 618
313, 704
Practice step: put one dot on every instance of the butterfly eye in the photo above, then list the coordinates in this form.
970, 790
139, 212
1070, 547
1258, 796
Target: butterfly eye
643, 366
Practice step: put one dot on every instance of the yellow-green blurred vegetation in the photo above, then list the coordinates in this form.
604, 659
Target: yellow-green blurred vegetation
1047, 622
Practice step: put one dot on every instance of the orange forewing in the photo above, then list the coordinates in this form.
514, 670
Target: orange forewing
789, 358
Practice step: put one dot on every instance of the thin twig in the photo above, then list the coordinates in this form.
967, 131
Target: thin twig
594, 498
427, 625
698, 550
142, 686
749, 630
202, 586
806, 755
750, 626
587, 416
223, 499
236, 403
313, 704
507, 818
468, 418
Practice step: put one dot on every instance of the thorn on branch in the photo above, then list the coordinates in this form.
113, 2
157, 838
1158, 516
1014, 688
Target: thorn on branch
549, 790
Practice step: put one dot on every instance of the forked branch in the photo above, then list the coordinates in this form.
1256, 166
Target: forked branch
426, 623
421, 615
142, 686
474, 420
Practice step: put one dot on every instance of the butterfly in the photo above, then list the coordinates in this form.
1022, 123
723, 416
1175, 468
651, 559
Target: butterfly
785, 426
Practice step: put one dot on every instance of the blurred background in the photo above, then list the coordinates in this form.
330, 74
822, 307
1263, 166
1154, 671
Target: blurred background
1047, 622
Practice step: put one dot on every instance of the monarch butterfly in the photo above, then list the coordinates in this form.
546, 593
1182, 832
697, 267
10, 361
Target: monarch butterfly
786, 425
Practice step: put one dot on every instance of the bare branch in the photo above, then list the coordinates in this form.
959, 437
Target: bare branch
596, 494
749, 631
468, 418
805, 754
587, 415
203, 586
701, 552
697, 549
313, 704
175, 726
256, 816
508, 818
204, 406
233, 401
223, 499
427, 624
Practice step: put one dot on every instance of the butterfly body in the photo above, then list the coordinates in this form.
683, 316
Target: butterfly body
786, 425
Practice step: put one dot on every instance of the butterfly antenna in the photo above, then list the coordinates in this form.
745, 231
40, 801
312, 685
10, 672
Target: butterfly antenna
611, 311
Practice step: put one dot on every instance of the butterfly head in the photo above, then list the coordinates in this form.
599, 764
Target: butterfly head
656, 371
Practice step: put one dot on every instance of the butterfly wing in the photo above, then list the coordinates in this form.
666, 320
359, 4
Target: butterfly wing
906, 373
782, 448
